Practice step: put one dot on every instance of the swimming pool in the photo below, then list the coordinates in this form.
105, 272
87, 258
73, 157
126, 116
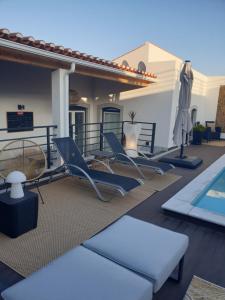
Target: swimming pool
204, 197
212, 197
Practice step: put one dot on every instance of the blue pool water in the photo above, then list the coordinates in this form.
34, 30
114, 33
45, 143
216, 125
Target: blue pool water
213, 196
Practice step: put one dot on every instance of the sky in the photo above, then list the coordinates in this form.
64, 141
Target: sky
190, 29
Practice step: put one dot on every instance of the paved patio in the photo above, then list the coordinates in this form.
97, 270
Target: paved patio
205, 257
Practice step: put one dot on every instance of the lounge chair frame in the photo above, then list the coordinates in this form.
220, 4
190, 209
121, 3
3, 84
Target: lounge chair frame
86, 176
134, 164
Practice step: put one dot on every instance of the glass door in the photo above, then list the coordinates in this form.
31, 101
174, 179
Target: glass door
77, 118
111, 121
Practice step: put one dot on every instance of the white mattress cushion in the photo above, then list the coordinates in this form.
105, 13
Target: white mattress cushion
147, 249
81, 275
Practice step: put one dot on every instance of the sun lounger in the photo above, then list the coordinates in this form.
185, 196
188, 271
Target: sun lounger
76, 166
140, 161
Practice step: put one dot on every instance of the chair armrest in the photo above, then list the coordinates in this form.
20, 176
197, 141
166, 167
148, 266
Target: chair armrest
78, 168
104, 164
88, 178
132, 162
144, 155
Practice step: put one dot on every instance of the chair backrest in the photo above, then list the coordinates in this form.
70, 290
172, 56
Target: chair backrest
114, 143
70, 153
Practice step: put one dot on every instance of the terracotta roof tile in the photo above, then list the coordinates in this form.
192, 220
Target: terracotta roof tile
30, 41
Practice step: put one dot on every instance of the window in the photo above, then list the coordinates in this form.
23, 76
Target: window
125, 63
141, 66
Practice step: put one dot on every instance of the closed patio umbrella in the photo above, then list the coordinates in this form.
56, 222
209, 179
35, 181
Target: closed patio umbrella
183, 124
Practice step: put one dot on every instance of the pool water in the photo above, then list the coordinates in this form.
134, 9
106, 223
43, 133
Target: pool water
213, 196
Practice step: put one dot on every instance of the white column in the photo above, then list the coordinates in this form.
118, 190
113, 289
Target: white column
60, 101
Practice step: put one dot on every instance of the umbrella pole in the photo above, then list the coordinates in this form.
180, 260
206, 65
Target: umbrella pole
182, 151
182, 147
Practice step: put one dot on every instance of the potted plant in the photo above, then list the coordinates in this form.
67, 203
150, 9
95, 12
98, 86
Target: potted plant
132, 115
198, 131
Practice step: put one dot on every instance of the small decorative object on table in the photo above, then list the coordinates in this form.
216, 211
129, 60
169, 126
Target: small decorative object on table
16, 178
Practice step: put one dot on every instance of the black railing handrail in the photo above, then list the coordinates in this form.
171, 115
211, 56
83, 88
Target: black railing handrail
48, 135
113, 122
28, 128
100, 128
137, 122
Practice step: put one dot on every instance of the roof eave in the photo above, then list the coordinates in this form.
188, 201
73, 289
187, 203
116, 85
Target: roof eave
59, 57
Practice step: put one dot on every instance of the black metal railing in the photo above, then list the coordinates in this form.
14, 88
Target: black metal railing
89, 136
42, 135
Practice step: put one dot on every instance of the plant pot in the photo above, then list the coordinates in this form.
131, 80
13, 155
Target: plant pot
132, 132
197, 137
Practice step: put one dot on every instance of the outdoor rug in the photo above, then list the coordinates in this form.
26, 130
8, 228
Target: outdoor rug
153, 180
71, 214
200, 289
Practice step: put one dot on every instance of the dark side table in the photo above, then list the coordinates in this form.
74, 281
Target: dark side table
18, 216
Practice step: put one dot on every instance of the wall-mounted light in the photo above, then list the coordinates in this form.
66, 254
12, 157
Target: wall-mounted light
112, 97
84, 99
20, 107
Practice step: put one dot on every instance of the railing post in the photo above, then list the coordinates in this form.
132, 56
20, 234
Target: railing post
48, 147
122, 133
101, 136
153, 137
71, 131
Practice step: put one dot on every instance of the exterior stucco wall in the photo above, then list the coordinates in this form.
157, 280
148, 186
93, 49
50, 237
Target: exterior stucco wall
30, 86
141, 54
167, 67
154, 103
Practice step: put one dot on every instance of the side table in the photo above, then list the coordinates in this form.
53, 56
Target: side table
18, 216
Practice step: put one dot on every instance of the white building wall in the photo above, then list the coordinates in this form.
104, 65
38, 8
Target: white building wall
141, 54
27, 85
154, 103
31, 86
163, 96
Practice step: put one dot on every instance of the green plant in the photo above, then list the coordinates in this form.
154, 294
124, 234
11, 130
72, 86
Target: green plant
199, 128
132, 115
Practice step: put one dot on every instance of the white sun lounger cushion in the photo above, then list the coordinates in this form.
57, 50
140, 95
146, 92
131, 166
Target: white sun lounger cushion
80, 275
149, 250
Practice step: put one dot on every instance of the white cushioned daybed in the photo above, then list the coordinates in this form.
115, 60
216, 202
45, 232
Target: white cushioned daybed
129, 260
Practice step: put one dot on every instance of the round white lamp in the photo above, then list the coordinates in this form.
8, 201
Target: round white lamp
16, 178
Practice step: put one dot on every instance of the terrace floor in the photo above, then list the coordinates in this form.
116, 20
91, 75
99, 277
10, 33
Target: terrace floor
205, 257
